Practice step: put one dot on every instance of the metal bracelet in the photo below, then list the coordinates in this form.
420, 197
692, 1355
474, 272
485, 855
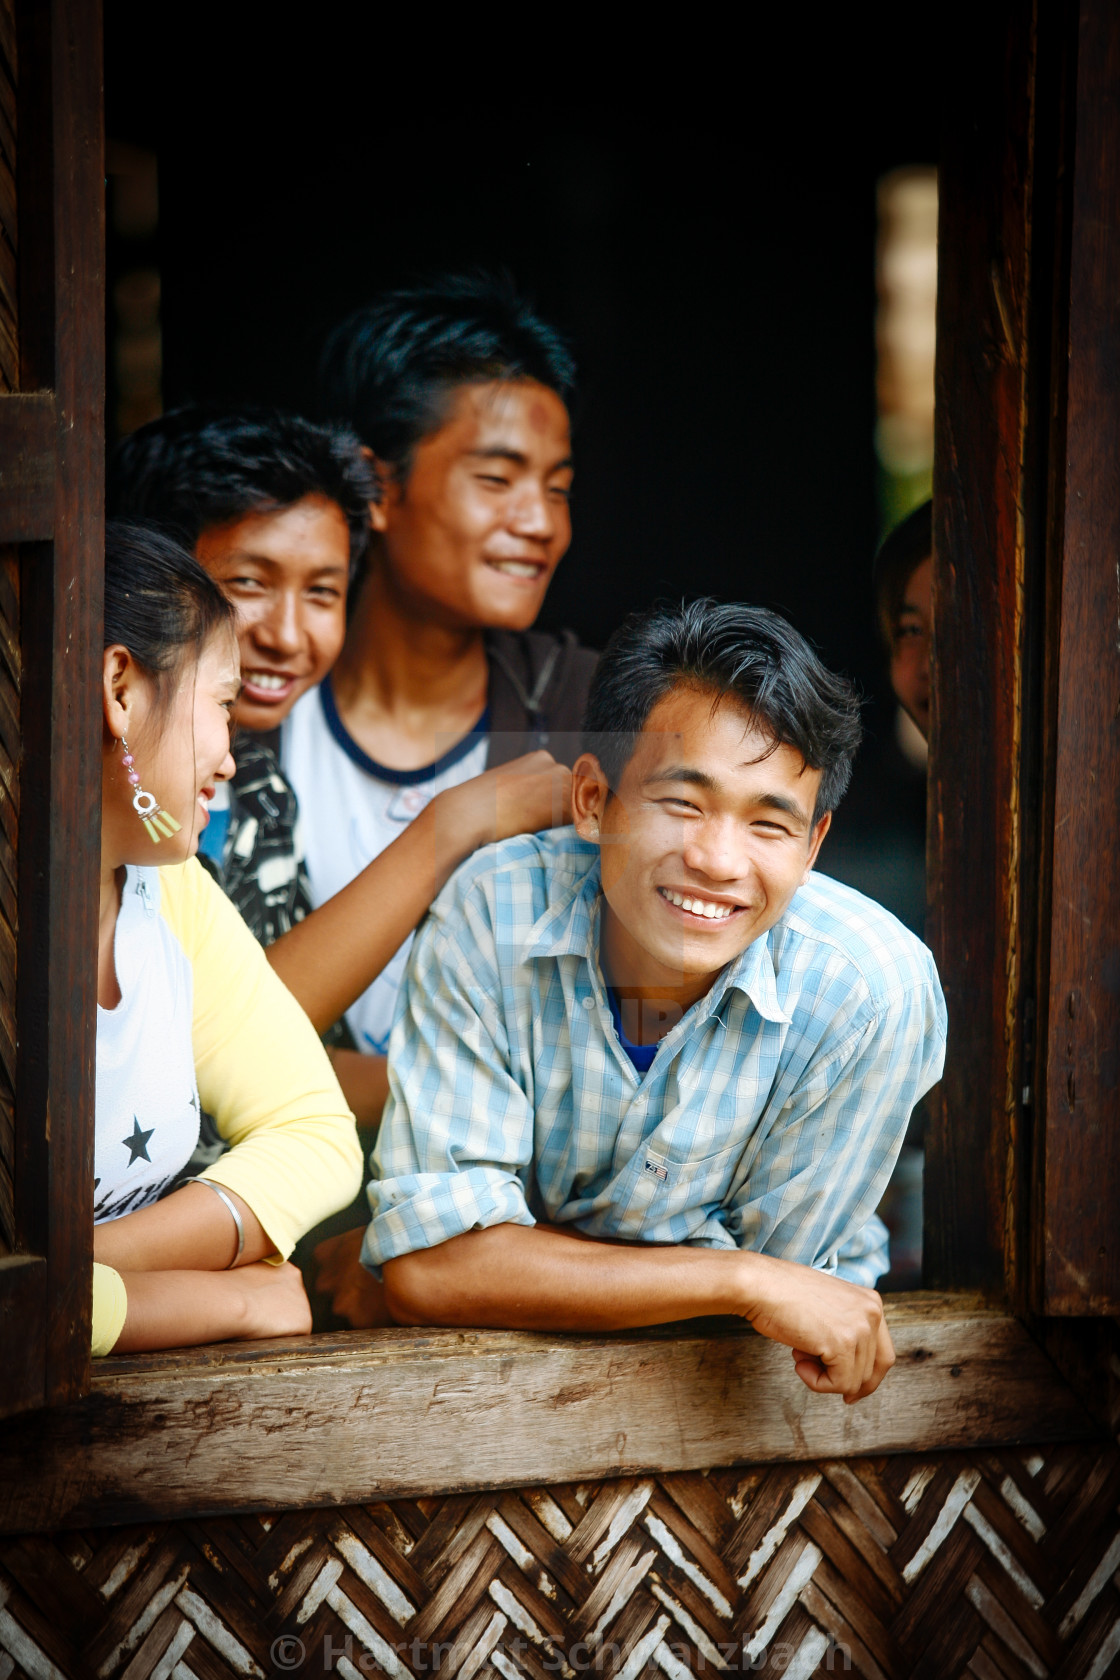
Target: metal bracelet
232, 1206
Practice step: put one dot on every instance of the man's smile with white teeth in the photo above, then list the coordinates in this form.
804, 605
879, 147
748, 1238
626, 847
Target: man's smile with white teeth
699, 906
269, 679
518, 568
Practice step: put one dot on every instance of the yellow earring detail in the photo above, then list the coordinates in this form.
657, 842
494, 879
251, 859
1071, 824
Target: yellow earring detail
160, 825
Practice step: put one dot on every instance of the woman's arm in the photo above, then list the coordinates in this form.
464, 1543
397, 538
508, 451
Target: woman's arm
185, 1308
190, 1230
329, 959
262, 1073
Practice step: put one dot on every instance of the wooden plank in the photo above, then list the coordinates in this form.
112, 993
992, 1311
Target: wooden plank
72, 856
9, 221
27, 466
9, 911
981, 523
23, 1293
371, 1415
62, 334
1081, 1151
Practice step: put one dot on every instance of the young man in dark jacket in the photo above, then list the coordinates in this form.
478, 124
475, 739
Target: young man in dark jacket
459, 392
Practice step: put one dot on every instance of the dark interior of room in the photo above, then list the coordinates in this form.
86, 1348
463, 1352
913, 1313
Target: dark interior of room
699, 217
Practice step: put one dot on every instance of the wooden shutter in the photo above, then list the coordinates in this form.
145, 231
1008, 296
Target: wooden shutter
1077, 1232
52, 393
1023, 1161
985, 355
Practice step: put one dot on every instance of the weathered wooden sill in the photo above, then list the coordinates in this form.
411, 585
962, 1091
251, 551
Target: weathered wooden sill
375, 1414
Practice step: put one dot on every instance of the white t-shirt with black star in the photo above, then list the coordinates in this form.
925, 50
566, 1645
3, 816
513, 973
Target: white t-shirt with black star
147, 1099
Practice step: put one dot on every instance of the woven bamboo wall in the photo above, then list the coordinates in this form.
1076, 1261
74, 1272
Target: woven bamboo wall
997, 1565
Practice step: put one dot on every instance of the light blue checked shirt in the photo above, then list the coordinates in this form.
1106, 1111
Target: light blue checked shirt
770, 1118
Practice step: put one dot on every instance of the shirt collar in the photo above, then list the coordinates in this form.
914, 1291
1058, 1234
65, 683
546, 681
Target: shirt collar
753, 975
570, 927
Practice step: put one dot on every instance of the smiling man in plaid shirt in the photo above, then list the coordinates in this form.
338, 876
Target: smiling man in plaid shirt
653, 1066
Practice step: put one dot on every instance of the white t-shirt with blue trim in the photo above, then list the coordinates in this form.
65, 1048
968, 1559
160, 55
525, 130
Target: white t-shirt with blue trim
350, 809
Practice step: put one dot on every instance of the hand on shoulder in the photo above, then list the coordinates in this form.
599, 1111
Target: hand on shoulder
529, 793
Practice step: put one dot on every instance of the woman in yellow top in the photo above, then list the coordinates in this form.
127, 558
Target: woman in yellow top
189, 1011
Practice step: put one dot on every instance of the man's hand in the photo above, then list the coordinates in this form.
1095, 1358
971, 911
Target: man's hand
836, 1330
527, 794
355, 1294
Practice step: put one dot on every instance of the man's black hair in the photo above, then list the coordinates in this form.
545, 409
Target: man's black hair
901, 553
742, 653
388, 369
195, 468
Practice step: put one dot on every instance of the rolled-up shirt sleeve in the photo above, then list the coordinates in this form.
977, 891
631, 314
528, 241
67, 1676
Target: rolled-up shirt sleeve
456, 1140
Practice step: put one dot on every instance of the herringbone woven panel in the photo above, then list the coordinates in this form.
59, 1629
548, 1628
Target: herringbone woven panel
998, 1565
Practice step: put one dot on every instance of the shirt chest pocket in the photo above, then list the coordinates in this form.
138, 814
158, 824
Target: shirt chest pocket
670, 1181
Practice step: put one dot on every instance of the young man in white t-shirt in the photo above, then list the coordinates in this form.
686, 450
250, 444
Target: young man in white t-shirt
460, 393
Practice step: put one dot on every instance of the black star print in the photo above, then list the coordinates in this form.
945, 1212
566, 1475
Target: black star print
137, 1144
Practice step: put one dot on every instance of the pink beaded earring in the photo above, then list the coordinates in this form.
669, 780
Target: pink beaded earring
159, 824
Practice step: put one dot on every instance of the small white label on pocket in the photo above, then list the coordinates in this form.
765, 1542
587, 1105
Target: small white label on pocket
656, 1168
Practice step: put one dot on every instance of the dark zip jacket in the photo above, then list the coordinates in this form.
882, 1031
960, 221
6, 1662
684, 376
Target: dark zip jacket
538, 692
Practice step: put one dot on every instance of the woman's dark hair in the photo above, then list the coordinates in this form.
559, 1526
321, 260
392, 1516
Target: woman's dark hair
198, 467
900, 554
389, 368
743, 653
159, 602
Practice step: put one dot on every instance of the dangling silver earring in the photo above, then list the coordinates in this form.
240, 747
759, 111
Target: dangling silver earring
161, 825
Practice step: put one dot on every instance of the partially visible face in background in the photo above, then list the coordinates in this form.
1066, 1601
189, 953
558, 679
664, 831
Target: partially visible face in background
910, 643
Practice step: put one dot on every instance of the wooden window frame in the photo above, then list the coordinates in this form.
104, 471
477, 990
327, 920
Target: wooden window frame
1021, 511
1023, 1160
51, 514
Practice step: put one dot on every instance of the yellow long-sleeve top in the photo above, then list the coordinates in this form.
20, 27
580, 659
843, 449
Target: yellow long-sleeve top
204, 1020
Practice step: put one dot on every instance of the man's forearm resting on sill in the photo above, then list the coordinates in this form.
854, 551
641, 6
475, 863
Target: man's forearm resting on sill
518, 1277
